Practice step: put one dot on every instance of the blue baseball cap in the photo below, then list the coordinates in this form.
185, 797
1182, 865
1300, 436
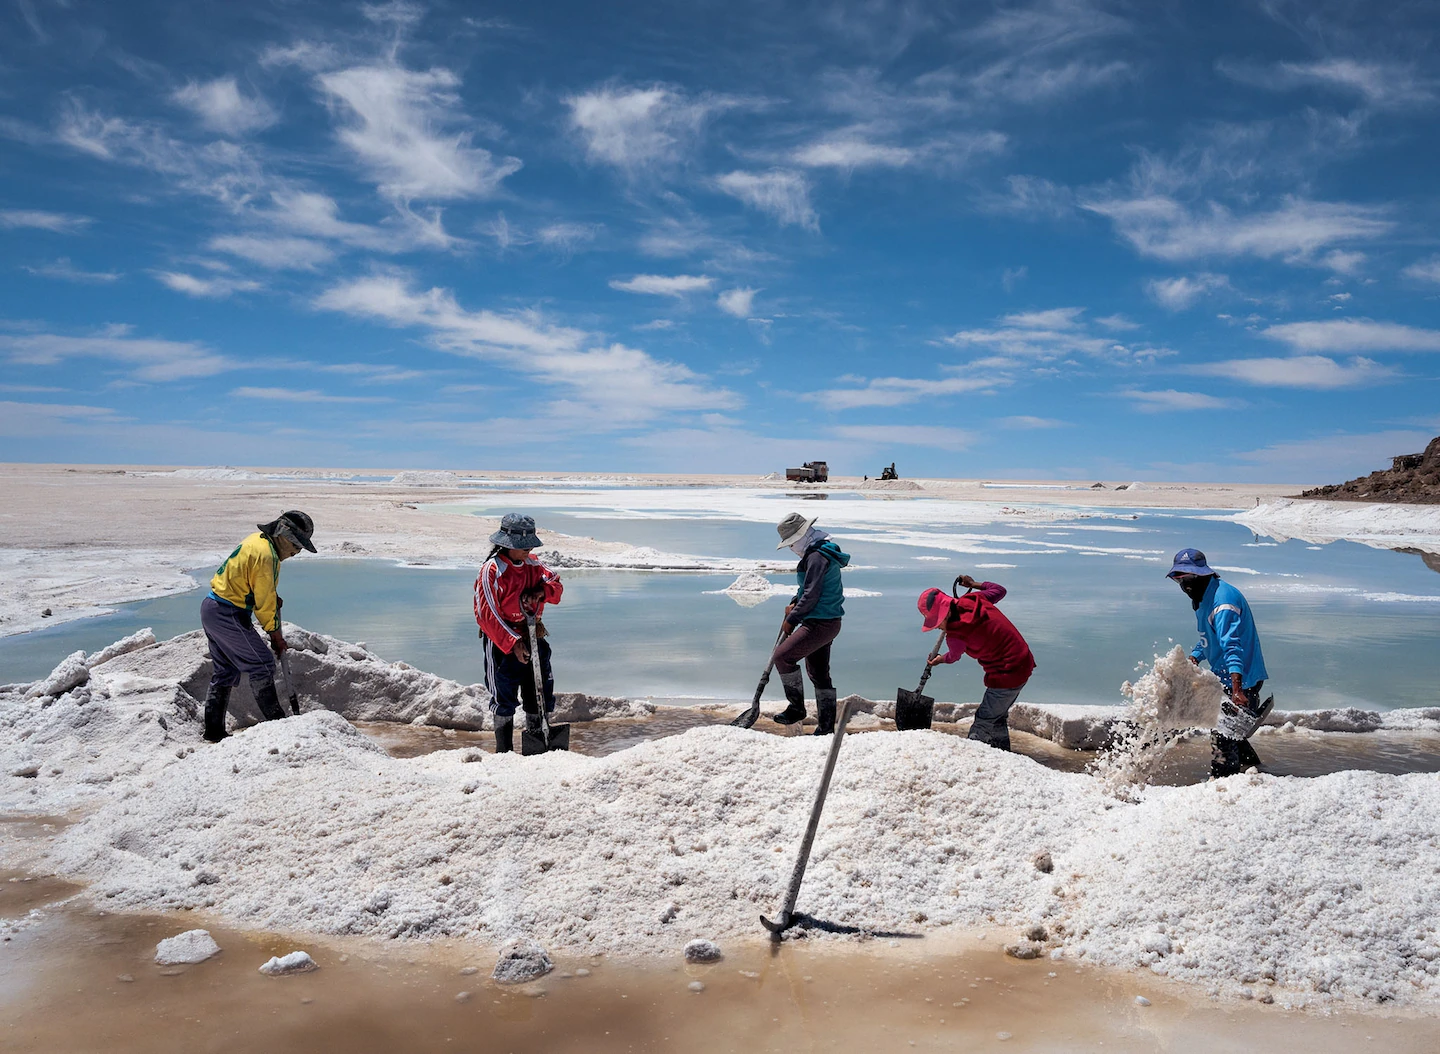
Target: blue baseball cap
1190, 562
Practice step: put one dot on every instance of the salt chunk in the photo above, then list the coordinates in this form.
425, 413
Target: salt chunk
521, 959
295, 962
697, 986
1042, 861
1037, 932
467, 971
1002, 1036
192, 946
71, 673
462, 997
582, 972
1024, 950
701, 951
1140, 1000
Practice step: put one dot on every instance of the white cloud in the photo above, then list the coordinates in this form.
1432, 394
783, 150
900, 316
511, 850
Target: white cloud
291, 395
37, 219
1180, 293
677, 285
67, 272
1169, 400
638, 128
1380, 84
276, 253
898, 391
150, 360
610, 386
1117, 323
27, 420
935, 436
1026, 422
1353, 335
1300, 371
1342, 262
1030, 197
1424, 270
566, 237
738, 302
851, 153
209, 288
222, 108
401, 124
1161, 227
1047, 336
782, 194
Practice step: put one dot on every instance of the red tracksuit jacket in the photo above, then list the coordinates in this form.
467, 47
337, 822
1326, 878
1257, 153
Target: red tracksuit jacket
497, 597
978, 627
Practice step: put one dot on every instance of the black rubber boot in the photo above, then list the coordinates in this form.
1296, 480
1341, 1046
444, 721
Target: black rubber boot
1224, 756
216, 704
504, 735
825, 711
1248, 757
794, 685
268, 700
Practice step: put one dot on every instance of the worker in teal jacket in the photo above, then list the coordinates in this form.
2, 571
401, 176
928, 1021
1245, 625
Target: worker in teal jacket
1230, 645
812, 621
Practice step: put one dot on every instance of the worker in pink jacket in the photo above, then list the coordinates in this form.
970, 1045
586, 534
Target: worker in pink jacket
975, 626
511, 583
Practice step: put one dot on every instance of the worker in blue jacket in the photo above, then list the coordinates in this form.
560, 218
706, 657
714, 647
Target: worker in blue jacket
1230, 645
812, 621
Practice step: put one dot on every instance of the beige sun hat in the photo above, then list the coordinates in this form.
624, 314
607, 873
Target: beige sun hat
792, 528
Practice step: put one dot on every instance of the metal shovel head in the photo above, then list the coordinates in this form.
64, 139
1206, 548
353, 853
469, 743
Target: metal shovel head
534, 742
913, 710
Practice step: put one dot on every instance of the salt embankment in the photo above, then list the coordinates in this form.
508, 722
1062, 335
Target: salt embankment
1318, 888
1389, 526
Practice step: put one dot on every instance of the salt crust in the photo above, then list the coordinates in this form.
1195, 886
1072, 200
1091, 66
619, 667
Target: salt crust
192, 946
1327, 886
295, 962
1387, 526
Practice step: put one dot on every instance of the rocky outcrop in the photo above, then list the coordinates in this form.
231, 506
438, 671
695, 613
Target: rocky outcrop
1414, 480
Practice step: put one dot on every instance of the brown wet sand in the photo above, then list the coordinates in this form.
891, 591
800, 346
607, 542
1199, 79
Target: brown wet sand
79, 980
1292, 754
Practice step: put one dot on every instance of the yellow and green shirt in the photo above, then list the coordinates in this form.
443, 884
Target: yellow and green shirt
248, 579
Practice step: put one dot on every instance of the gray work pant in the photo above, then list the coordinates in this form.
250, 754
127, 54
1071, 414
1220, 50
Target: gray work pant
991, 725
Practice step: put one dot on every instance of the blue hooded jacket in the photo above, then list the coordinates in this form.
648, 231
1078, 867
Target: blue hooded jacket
1228, 641
821, 594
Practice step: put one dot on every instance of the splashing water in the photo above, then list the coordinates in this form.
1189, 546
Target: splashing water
1174, 695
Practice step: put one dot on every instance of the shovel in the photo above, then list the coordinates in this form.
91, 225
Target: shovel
912, 709
550, 737
747, 717
290, 683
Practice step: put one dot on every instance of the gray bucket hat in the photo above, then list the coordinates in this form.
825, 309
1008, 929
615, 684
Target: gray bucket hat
516, 532
792, 528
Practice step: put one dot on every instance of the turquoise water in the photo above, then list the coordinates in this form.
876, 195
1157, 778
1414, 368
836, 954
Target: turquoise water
1090, 612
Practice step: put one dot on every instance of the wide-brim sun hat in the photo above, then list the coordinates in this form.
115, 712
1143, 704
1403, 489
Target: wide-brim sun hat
516, 532
934, 604
1189, 562
295, 523
792, 528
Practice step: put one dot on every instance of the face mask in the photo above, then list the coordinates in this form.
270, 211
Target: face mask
1195, 588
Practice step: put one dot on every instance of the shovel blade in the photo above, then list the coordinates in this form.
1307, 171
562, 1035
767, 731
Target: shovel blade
913, 710
534, 742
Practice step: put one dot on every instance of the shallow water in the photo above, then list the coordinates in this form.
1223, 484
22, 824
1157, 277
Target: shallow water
1087, 591
78, 979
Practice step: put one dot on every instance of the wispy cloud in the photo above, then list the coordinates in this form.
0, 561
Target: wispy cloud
1424, 270
676, 285
739, 302
148, 359
938, 437
222, 107
1300, 371
899, 391
217, 288
65, 271
1170, 400
782, 194
292, 395
1050, 335
1332, 458
606, 386
37, 219
1350, 335
1384, 85
1026, 422
1180, 293
637, 129
407, 128
275, 253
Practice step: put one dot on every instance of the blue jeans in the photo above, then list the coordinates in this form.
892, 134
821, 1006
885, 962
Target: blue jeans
511, 683
991, 725
235, 647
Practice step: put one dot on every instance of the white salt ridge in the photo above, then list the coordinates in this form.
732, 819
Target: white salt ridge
1321, 522
192, 946
1325, 884
295, 962
222, 472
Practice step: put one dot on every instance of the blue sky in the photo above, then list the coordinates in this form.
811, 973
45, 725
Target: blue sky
1057, 239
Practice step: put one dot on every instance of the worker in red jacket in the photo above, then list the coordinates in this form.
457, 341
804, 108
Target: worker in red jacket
974, 625
510, 584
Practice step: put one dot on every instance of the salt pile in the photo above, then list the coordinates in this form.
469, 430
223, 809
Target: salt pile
192, 946
1321, 888
295, 962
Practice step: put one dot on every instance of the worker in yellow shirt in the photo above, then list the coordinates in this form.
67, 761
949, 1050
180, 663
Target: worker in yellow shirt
244, 585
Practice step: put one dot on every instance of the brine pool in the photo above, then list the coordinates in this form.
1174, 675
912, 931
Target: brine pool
1341, 624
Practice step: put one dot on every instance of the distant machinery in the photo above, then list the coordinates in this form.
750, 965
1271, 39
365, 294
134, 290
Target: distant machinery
810, 472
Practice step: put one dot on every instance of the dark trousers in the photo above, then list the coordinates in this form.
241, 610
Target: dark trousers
992, 720
235, 647
511, 683
810, 642
1229, 756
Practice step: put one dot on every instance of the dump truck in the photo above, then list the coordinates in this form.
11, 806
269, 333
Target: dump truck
810, 472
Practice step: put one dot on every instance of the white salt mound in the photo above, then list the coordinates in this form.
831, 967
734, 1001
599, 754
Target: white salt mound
295, 962
192, 946
750, 582
701, 951
521, 959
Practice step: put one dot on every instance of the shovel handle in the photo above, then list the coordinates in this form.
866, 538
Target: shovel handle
928, 668
539, 678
